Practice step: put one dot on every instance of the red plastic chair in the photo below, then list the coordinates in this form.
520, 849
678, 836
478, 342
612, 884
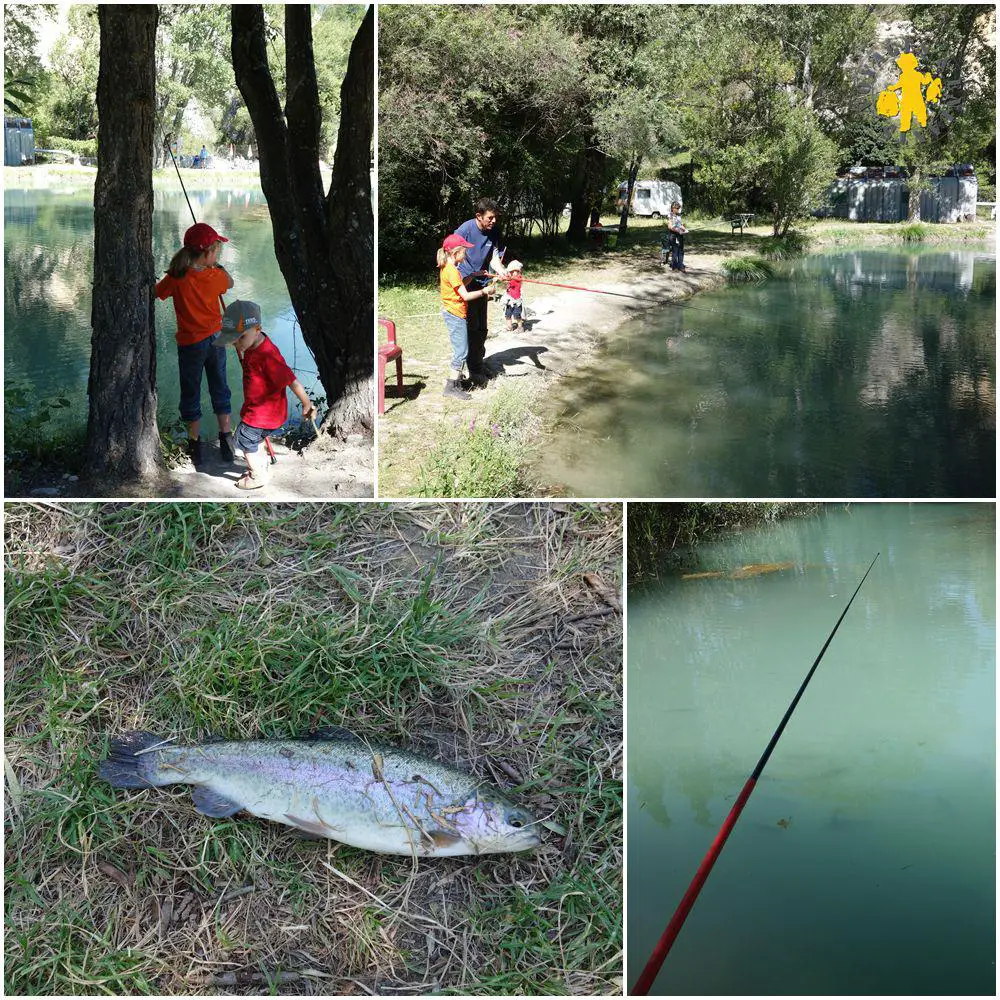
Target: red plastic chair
387, 353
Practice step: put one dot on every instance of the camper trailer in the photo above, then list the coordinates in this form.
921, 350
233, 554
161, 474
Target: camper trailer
651, 198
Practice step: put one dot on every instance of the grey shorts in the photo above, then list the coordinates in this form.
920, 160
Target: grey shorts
249, 438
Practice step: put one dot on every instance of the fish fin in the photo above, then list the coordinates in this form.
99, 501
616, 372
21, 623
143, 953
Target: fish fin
313, 826
442, 838
210, 803
301, 834
123, 768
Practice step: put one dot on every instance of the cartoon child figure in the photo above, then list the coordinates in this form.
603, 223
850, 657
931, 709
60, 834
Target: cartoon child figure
910, 103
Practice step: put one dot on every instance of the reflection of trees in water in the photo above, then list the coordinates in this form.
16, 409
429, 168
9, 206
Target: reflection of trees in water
46, 309
909, 668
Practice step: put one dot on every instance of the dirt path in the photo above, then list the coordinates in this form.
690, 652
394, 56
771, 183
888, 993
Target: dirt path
563, 330
325, 470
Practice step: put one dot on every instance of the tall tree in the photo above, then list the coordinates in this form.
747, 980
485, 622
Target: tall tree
122, 437
324, 243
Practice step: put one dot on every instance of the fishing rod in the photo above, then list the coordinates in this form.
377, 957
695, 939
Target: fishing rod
663, 946
169, 149
555, 284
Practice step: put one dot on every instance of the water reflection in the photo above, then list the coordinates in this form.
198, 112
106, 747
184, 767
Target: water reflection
864, 373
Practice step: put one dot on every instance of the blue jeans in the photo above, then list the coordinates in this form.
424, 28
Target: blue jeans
249, 438
191, 360
677, 254
458, 334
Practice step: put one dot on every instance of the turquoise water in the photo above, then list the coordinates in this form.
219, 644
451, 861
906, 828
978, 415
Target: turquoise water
48, 276
865, 373
880, 877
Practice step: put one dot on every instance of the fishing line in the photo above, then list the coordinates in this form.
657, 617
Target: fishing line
663, 946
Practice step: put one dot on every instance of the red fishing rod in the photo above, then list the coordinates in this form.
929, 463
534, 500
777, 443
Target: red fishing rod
663, 946
554, 284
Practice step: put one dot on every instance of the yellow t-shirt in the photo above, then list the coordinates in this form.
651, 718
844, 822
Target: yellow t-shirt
450, 299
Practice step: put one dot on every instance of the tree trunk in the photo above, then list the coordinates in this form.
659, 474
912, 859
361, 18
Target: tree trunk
633, 174
591, 162
324, 245
914, 187
123, 441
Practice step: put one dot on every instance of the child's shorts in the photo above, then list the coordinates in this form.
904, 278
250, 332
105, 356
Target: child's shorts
249, 438
512, 311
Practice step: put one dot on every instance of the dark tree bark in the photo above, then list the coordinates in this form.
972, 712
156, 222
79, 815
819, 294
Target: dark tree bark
633, 175
325, 245
123, 442
585, 189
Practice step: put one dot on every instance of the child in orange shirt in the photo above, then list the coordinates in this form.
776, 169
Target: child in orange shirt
195, 280
454, 296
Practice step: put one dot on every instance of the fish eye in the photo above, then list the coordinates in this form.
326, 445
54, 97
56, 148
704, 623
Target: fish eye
516, 820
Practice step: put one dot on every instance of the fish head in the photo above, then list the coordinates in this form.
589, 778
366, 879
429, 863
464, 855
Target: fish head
491, 824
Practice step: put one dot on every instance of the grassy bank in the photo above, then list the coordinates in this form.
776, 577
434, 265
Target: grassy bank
661, 536
60, 177
486, 636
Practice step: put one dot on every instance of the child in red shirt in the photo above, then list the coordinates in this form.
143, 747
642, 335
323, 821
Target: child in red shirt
265, 378
195, 281
513, 306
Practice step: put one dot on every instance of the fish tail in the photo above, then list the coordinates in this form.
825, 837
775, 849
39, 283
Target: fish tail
127, 766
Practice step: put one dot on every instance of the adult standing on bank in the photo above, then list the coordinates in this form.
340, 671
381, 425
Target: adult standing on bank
485, 253
677, 231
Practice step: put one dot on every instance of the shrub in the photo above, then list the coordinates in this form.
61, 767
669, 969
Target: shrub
792, 244
747, 269
914, 232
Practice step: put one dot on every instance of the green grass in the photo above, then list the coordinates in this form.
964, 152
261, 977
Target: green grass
436, 627
792, 244
742, 269
914, 232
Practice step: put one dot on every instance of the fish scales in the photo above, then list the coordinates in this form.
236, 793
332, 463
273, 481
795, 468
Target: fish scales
370, 796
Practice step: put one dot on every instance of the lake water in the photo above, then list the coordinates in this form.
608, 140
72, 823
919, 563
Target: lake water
864, 860
48, 277
862, 373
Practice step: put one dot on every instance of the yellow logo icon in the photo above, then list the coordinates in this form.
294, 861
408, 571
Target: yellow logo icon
907, 97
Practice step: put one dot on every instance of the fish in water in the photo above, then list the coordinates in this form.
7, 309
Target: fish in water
336, 785
742, 572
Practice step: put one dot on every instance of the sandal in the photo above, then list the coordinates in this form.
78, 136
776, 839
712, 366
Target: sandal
247, 482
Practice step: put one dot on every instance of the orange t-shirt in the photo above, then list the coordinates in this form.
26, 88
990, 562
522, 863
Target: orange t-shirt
450, 299
196, 302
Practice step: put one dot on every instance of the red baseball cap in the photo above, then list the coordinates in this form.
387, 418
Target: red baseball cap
454, 241
201, 236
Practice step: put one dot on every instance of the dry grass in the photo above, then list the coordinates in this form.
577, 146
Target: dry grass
487, 635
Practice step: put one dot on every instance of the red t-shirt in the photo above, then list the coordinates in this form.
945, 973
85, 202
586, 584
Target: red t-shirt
514, 287
265, 378
196, 302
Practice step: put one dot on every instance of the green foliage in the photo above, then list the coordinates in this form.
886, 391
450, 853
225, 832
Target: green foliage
792, 244
741, 269
26, 418
82, 147
482, 457
914, 232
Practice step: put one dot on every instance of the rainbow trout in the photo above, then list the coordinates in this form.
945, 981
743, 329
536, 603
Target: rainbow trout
333, 784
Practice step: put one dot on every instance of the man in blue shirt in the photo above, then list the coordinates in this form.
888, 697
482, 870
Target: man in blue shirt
485, 254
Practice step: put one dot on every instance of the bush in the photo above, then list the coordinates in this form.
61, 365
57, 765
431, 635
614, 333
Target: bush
82, 147
914, 232
747, 269
483, 457
792, 244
